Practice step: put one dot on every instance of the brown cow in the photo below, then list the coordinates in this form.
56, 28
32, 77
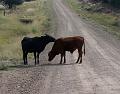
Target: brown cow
70, 44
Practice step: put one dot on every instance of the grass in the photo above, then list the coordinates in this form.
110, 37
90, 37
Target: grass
3, 67
12, 30
108, 20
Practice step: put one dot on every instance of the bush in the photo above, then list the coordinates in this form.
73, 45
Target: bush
115, 3
10, 3
3, 67
116, 22
26, 20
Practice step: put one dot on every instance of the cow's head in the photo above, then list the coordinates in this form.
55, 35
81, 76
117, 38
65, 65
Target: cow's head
51, 55
49, 38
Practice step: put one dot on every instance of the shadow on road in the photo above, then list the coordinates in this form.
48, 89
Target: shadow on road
29, 66
33, 66
21, 66
57, 64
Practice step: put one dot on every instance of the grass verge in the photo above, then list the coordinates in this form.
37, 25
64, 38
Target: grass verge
111, 22
12, 30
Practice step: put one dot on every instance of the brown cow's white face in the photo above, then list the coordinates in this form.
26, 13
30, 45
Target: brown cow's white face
51, 56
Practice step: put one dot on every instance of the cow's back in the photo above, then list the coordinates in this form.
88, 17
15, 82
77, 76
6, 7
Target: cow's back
31, 44
68, 44
72, 42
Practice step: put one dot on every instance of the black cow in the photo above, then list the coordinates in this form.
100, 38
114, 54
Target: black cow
35, 45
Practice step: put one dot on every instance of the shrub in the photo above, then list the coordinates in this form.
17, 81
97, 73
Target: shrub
3, 67
26, 20
10, 3
115, 3
34, 30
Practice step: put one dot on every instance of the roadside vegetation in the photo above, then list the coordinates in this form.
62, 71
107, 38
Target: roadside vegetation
101, 13
12, 29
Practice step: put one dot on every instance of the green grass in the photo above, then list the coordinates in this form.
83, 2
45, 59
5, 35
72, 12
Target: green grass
12, 30
3, 67
110, 21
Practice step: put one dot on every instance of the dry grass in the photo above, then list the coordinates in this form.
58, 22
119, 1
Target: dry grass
108, 20
12, 30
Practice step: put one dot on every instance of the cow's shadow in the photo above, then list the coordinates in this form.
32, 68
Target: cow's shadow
40, 65
49, 64
21, 66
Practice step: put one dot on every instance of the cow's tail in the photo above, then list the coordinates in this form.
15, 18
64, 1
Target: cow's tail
84, 45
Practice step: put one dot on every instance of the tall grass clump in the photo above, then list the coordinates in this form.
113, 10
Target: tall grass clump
3, 67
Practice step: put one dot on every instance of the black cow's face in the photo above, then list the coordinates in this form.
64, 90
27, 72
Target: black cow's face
51, 56
50, 38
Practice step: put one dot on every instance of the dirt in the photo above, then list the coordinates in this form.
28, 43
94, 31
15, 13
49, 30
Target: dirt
98, 74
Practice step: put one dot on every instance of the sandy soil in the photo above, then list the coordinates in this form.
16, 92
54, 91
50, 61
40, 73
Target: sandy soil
98, 74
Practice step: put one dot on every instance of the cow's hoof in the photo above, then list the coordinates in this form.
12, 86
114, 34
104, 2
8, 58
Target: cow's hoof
25, 63
80, 62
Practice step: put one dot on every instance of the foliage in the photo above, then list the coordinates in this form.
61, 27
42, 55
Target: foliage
115, 3
109, 21
3, 67
10, 3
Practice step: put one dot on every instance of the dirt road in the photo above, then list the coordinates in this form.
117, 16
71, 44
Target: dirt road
98, 74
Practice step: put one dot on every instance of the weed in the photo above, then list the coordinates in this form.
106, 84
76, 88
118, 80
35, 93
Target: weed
3, 67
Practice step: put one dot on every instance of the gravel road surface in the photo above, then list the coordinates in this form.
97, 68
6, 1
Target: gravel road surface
98, 74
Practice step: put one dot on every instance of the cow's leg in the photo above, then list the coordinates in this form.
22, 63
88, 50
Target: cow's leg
78, 59
64, 58
61, 58
35, 57
81, 57
25, 57
79, 52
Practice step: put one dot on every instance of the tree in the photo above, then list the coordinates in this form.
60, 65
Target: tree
10, 3
115, 3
